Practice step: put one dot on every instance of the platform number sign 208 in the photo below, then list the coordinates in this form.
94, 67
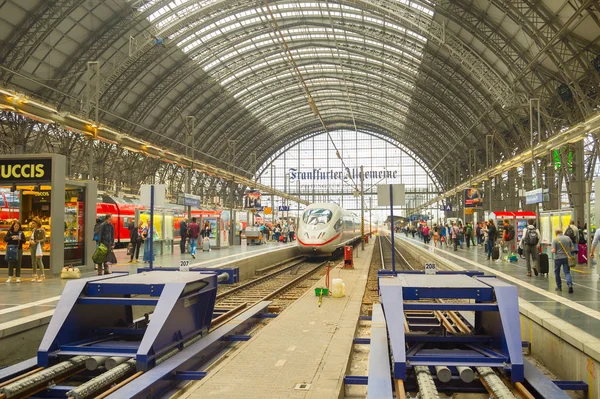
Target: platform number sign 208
430, 268
184, 265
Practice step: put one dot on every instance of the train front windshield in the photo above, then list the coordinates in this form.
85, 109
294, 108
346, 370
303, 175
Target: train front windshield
315, 217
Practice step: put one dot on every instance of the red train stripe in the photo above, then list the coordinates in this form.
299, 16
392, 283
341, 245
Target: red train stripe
318, 245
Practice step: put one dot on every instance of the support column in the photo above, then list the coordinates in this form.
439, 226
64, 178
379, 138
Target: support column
527, 185
551, 182
512, 182
577, 185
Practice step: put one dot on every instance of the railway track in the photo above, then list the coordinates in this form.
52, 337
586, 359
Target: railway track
283, 284
452, 321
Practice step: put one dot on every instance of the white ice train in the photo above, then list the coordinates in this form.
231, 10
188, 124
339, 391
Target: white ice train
325, 227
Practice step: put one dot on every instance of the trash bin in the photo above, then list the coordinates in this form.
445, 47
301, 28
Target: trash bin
244, 241
348, 257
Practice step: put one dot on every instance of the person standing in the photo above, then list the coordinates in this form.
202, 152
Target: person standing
16, 237
469, 234
562, 246
106, 237
135, 236
38, 236
454, 232
492, 236
193, 232
508, 234
205, 234
530, 241
183, 226
291, 232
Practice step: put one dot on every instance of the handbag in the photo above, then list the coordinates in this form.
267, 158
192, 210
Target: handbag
130, 249
38, 251
70, 272
12, 253
99, 255
111, 258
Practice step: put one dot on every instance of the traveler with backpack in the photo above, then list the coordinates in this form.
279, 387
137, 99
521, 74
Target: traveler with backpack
530, 242
106, 237
469, 234
573, 233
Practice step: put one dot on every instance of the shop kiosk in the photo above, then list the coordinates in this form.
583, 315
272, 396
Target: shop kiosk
34, 186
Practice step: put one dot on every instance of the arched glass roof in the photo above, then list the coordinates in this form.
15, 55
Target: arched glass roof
438, 77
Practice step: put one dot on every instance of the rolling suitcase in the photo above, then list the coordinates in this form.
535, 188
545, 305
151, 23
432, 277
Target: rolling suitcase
582, 254
544, 263
206, 245
496, 252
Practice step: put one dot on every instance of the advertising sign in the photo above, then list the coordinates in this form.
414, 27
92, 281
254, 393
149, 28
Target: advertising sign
473, 198
25, 171
252, 199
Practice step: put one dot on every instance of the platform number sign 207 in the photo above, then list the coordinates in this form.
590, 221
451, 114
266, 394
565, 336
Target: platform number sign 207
430, 268
184, 265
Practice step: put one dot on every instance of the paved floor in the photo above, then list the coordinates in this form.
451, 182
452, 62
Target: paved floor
582, 308
18, 301
305, 344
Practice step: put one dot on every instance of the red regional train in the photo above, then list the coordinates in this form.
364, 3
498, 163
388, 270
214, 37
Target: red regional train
122, 209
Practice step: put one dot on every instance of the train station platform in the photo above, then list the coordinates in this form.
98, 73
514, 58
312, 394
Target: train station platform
581, 308
302, 353
28, 306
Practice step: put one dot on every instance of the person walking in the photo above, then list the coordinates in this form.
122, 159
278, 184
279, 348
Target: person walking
135, 237
183, 226
436, 235
38, 237
106, 237
530, 241
562, 246
425, 232
15, 238
492, 236
193, 232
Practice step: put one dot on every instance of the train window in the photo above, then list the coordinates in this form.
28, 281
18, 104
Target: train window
338, 225
317, 216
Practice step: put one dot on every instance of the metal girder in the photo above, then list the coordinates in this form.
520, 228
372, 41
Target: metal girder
540, 25
100, 41
27, 37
